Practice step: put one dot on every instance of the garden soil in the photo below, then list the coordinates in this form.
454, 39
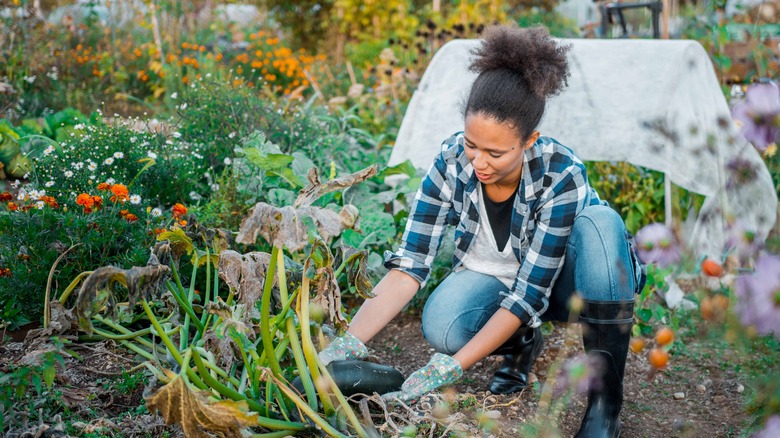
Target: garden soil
696, 396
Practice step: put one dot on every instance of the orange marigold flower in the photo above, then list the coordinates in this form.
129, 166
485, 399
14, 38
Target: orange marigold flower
179, 210
5, 272
85, 200
50, 201
97, 201
158, 230
130, 217
183, 223
104, 186
12, 206
120, 192
5, 197
124, 213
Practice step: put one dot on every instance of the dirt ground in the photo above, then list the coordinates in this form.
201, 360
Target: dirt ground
712, 405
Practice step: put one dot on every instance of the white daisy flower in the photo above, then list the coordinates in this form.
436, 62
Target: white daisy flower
108, 161
176, 134
48, 150
39, 205
119, 155
92, 166
78, 166
110, 181
228, 161
151, 155
174, 96
135, 199
68, 174
156, 212
49, 183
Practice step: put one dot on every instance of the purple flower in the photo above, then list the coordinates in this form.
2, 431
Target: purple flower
758, 296
657, 244
759, 114
771, 428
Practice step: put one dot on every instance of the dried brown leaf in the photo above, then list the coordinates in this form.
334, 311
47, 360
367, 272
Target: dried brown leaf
97, 290
329, 296
279, 226
315, 189
245, 273
177, 403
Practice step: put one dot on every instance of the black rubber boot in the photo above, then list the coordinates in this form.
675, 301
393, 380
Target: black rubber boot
521, 350
606, 330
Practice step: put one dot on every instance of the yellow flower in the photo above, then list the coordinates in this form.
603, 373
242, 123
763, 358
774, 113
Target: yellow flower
771, 149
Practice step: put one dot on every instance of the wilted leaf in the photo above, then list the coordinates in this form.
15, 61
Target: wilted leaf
245, 273
230, 317
179, 241
328, 222
97, 290
315, 189
178, 404
356, 271
285, 227
279, 226
329, 296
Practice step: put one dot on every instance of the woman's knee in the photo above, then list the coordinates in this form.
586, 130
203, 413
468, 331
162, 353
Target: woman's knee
604, 268
448, 332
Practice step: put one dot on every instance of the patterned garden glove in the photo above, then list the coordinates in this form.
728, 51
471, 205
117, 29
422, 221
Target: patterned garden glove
345, 347
441, 370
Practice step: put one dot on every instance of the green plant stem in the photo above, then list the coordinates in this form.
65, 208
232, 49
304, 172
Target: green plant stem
46, 299
220, 372
130, 346
265, 315
185, 338
236, 396
190, 313
160, 332
312, 358
72, 286
279, 434
307, 410
292, 335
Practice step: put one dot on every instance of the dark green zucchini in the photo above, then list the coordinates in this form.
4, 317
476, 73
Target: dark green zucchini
361, 377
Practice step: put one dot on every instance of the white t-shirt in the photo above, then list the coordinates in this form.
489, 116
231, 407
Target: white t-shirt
484, 256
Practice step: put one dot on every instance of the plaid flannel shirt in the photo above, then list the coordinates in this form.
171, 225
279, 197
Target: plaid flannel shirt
553, 190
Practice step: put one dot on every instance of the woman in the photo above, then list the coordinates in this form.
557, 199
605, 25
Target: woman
529, 232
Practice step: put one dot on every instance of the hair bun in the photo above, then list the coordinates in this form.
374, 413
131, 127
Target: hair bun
529, 52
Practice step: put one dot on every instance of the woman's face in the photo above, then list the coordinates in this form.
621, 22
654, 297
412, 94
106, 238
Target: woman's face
495, 150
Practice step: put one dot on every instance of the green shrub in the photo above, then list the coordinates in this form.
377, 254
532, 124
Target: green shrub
32, 240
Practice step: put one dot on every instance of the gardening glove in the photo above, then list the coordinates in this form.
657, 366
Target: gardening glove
441, 370
345, 347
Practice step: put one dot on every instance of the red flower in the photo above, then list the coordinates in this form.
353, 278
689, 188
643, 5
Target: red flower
5, 197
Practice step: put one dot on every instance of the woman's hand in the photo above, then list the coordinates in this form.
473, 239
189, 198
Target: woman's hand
346, 347
440, 370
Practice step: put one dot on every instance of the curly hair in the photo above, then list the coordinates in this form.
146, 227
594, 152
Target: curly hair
519, 68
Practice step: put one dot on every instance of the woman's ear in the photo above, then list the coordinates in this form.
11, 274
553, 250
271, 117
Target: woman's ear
531, 140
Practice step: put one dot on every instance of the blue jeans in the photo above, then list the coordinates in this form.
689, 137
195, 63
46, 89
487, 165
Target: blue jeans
599, 266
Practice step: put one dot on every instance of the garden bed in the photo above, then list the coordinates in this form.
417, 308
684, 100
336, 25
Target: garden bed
94, 396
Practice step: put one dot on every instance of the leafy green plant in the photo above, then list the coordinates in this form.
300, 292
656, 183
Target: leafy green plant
242, 348
16, 383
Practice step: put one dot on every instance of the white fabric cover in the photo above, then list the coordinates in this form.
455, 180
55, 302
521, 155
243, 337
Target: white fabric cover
617, 87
